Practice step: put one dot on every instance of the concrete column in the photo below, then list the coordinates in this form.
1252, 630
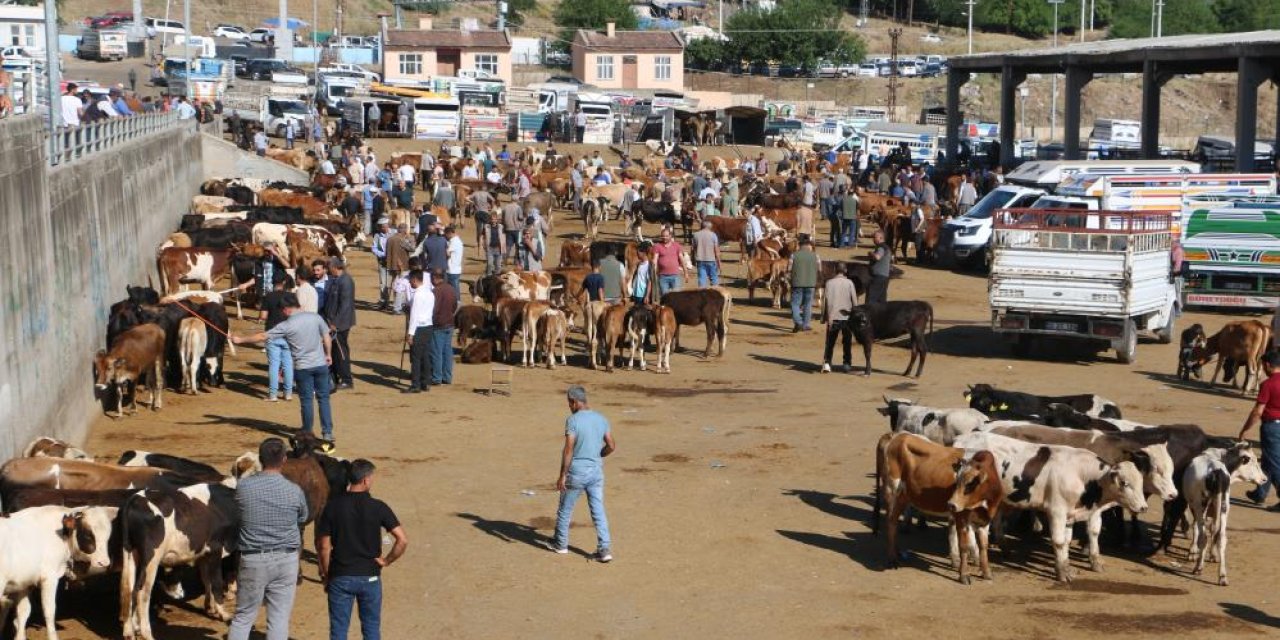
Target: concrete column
1077, 78
1153, 79
1251, 73
955, 80
1009, 81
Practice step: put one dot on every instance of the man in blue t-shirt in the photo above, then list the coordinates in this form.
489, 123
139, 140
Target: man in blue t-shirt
587, 441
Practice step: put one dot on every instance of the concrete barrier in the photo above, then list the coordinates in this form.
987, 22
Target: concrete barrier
225, 160
71, 238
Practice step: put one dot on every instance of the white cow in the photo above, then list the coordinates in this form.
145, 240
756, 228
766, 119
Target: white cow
1207, 487
192, 340
37, 546
1065, 483
942, 426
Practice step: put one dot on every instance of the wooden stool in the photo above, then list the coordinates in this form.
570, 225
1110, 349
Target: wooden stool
501, 380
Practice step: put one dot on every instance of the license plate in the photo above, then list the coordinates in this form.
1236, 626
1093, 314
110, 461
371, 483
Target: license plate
1062, 326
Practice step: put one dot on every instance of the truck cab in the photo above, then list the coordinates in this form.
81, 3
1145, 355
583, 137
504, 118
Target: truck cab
965, 239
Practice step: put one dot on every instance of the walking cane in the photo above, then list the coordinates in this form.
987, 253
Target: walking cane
400, 374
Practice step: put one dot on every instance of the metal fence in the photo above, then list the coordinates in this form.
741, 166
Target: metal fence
72, 143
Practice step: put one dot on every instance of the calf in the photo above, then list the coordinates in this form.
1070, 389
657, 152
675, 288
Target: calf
1207, 487
197, 471
610, 330
553, 327
533, 313
942, 426
1065, 483
136, 357
575, 254
191, 346
302, 468
46, 447
665, 328
510, 316
885, 320
1242, 342
708, 307
470, 320
912, 471
1000, 404
478, 352
775, 273
1192, 338
193, 525
639, 323
41, 543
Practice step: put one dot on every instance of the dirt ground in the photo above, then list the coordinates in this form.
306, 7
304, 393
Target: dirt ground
739, 497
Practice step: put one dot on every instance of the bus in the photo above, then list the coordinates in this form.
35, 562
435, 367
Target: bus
882, 138
1231, 255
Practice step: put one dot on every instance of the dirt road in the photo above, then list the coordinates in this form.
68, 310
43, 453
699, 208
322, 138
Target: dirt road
739, 497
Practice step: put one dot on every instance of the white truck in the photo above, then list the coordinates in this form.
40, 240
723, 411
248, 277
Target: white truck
272, 106
103, 44
598, 109
1096, 276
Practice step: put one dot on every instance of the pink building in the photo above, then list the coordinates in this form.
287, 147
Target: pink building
423, 53
629, 59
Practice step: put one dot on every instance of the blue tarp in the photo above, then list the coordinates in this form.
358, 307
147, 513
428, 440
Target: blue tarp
294, 23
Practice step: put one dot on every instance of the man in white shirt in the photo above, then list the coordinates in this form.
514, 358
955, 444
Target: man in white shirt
71, 106
260, 142
370, 170
580, 125
421, 306
455, 253
356, 169
470, 172
327, 168
104, 105
407, 175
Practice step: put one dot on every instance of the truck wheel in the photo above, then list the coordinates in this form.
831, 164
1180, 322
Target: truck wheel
1127, 349
1021, 346
1165, 334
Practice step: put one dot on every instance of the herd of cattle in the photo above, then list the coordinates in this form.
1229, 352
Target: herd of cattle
144, 519
1067, 459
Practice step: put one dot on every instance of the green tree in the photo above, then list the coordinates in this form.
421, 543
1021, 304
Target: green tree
1132, 18
571, 15
797, 32
704, 53
1245, 15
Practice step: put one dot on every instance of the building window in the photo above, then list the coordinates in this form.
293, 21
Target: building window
411, 64
662, 67
604, 67
487, 62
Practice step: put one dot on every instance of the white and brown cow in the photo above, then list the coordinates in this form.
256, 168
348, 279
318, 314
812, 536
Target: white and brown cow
191, 346
533, 314
46, 447
524, 285
1065, 483
553, 328
136, 357
40, 544
193, 265
194, 525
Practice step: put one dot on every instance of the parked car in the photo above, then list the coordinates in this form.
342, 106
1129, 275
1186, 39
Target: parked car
262, 35
262, 68
160, 25
15, 53
792, 71
351, 69
931, 38
868, 70
932, 69
230, 32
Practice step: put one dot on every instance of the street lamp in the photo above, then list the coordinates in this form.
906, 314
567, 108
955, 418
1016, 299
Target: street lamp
1022, 116
970, 4
1053, 90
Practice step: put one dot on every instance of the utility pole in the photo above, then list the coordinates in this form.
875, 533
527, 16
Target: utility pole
1083, 6
186, 47
1159, 18
970, 4
51, 60
892, 105
1053, 90
284, 35
337, 23
502, 15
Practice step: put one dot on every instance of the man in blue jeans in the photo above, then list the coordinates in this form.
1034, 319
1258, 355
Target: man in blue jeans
587, 441
446, 306
1267, 410
706, 253
272, 314
308, 337
349, 546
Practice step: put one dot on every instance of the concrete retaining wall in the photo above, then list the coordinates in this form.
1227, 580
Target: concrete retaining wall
71, 238
225, 160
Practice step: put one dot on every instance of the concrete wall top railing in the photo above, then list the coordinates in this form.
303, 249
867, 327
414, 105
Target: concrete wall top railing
73, 143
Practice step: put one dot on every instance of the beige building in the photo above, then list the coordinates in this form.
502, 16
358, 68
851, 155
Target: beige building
629, 59
425, 53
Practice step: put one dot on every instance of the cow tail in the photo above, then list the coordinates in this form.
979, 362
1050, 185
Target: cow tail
125, 540
930, 321
875, 514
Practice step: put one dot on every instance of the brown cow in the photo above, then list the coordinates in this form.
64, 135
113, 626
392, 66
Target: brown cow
510, 315
301, 468
731, 230
708, 307
665, 328
136, 356
610, 330
478, 352
78, 475
774, 273
788, 218
310, 205
470, 320
1243, 342
533, 312
178, 266
935, 479
553, 327
575, 254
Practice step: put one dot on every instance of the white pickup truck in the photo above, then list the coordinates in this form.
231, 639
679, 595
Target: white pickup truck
1097, 276
271, 106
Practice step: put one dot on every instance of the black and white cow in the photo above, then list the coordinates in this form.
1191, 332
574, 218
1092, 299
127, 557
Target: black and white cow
1207, 488
194, 525
1015, 405
198, 471
942, 426
1065, 483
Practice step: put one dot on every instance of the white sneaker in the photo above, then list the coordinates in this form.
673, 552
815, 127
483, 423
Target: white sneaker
604, 556
826, 367
551, 544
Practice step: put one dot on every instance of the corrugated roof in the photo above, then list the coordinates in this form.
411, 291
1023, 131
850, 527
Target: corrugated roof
1220, 50
629, 40
447, 38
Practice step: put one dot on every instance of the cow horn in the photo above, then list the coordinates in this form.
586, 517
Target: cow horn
885, 398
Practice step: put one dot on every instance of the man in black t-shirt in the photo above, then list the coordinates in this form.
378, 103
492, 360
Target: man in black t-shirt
349, 541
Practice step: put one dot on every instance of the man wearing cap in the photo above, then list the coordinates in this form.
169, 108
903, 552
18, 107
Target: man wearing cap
340, 313
381, 239
587, 441
308, 338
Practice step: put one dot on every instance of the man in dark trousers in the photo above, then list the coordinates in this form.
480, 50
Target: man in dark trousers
446, 305
418, 334
881, 265
838, 300
435, 250
340, 313
349, 546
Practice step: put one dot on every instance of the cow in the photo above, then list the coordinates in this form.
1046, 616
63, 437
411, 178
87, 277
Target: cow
610, 195
639, 324
302, 468
730, 230
197, 471
1000, 404
524, 285
217, 327
191, 347
42, 543
775, 273
46, 447
575, 254
136, 357
210, 204
478, 352
193, 525
708, 307
665, 327
1149, 454
223, 236
553, 327
1243, 342
273, 215
942, 426
509, 313
886, 320
1193, 337
310, 205
610, 331
1064, 416
1186, 441
1207, 487
593, 212
533, 313
470, 320
652, 211
912, 471
192, 265
1065, 483
57, 473
28, 497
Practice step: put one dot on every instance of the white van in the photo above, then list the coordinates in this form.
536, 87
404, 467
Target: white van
161, 26
965, 239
